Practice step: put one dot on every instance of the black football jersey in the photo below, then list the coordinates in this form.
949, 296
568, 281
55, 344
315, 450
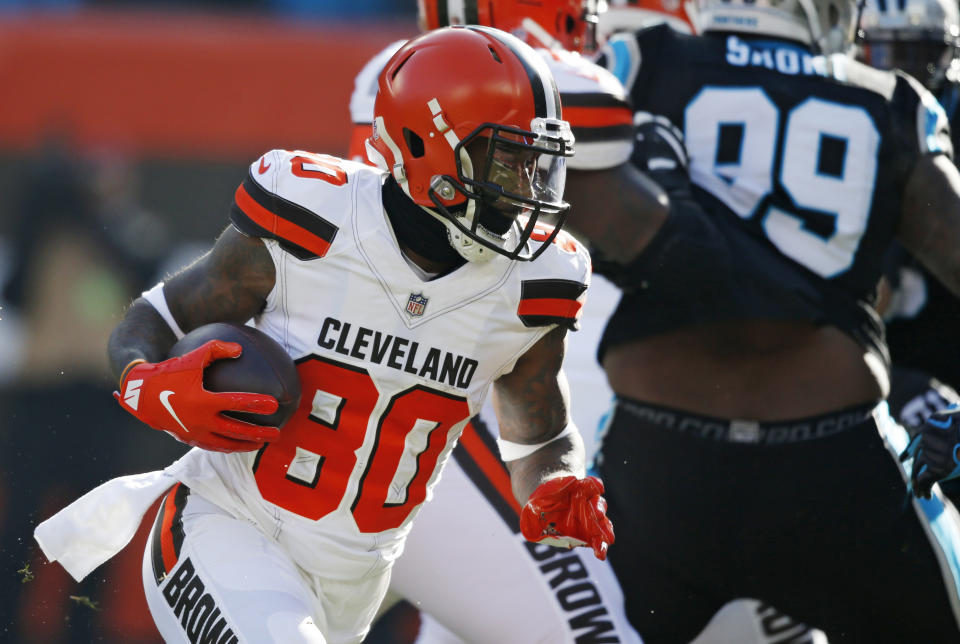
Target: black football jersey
949, 97
919, 341
807, 154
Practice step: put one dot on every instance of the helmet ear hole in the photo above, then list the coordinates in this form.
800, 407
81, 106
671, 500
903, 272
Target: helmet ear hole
414, 143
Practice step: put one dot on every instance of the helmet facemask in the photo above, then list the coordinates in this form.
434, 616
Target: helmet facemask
480, 145
511, 180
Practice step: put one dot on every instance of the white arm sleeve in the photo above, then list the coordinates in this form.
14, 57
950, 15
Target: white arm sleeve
159, 302
510, 451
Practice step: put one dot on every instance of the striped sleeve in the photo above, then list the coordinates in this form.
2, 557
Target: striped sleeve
596, 106
299, 231
602, 125
544, 302
621, 55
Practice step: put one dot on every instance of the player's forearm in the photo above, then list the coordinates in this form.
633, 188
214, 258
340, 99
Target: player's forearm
623, 222
142, 335
930, 221
562, 457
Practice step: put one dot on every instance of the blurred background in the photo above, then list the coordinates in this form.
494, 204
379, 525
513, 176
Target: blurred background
125, 127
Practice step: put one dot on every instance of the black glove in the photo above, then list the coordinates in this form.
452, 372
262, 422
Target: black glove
659, 152
935, 451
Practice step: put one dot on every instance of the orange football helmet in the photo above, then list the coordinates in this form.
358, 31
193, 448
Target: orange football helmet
565, 24
631, 15
479, 144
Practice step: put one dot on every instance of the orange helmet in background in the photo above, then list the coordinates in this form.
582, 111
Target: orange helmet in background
565, 24
630, 15
467, 120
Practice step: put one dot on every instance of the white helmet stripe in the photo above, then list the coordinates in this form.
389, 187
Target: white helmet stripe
396, 167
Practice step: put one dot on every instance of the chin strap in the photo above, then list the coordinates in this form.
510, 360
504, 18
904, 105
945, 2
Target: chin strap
417, 229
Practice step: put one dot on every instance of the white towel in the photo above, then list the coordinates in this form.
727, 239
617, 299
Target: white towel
99, 524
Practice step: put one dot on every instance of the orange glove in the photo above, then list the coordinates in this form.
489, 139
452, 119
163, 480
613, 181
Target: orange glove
568, 512
169, 396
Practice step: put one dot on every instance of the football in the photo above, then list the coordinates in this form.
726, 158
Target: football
264, 367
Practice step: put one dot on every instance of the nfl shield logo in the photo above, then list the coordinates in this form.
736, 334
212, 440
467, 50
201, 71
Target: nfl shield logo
416, 304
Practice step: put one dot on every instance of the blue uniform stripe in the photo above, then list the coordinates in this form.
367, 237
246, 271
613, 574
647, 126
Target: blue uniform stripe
621, 61
933, 115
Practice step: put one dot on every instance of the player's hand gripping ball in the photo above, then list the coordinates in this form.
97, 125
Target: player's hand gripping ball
568, 512
226, 387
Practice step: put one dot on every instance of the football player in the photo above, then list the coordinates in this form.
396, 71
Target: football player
766, 457
531, 593
922, 38
403, 293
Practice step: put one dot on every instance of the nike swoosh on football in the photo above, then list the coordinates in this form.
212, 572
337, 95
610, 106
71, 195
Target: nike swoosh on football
165, 401
263, 168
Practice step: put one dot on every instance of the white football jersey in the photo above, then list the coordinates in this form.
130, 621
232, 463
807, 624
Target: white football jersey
392, 367
591, 98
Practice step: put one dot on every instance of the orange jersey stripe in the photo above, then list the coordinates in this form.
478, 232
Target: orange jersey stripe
166, 534
278, 226
597, 116
550, 307
490, 464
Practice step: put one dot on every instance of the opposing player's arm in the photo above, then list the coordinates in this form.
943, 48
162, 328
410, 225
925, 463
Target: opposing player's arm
229, 283
617, 210
531, 403
930, 224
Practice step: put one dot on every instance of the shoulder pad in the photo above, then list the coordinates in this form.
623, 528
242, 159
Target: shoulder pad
621, 57
363, 98
843, 68
623, 53
298, 198
933, 126
595, 104
365, 86
553, 288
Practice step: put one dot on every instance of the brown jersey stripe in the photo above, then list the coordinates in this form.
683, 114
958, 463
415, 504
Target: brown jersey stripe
550, 301
156, 556
171, 532
275, 227
281, 219
592, 99
551, 289
598, 117
290, 211
247, 226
